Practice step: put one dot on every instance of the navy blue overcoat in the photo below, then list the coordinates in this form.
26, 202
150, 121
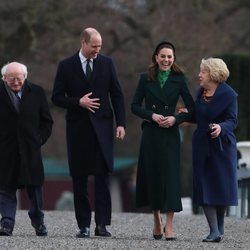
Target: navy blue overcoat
215, 160
22, 133
70, 85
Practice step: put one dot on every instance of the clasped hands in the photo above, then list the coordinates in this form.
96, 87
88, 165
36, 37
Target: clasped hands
92, 104
164, 121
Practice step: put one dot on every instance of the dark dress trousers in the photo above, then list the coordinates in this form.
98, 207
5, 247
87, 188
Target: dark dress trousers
90, 135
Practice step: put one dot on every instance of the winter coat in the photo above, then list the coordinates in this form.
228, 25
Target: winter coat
158, 173
215, 160
22, 133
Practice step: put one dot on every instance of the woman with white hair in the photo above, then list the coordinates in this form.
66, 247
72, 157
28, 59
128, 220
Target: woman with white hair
214, 146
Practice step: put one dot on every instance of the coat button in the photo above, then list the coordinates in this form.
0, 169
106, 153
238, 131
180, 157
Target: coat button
165, 107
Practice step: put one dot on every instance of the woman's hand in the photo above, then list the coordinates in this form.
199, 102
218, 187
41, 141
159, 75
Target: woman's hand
157, 118
182, 110
164, 121
216, 129
167, 121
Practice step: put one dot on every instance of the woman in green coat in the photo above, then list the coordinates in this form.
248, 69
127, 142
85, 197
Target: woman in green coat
155, 100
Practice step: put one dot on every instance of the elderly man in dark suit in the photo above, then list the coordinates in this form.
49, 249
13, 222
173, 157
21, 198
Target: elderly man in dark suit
25, 126
86, 85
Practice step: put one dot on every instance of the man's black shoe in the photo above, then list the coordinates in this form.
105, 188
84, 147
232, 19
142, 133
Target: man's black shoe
5, 229
84, 233
101, 230
40, 229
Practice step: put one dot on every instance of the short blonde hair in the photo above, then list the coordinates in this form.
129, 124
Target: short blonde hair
217, 69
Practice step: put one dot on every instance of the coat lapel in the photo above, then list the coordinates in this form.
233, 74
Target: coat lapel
163, 93
5, 97
26, 90
77, 66
155, 89
96, 67
78, 70
219, 101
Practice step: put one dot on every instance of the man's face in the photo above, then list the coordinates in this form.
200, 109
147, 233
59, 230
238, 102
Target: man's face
14, 77
92, 48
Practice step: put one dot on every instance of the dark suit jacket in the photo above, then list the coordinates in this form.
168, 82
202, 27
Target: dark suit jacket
21, 136
70, 85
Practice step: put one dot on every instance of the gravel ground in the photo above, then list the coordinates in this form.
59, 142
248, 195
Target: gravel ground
129, 231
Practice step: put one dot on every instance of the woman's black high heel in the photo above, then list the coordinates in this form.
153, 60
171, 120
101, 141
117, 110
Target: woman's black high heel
157, 236
168, 238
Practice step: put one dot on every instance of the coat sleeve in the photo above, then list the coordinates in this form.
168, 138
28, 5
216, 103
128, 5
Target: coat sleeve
230, 116
137, 107
59, 94
46, 121
189, 104
117, 98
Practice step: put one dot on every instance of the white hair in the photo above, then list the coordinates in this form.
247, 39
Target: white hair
4, 69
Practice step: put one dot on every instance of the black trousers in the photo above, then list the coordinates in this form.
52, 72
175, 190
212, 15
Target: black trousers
102, 200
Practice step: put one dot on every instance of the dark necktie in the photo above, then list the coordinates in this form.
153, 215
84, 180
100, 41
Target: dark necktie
88, 70
16, 100
17, 96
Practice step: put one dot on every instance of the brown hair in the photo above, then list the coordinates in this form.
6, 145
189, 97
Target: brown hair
153, 67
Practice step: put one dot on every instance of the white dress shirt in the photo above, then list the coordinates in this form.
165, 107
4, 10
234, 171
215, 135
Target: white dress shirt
84, 62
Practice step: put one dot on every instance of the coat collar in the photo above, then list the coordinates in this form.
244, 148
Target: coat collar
223, 93
78, 66
222, 97
163, 93
6, 97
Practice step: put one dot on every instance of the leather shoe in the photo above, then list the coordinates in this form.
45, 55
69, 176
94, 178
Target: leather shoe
217, 239
84, 233
101, 230
5, 230
40, 229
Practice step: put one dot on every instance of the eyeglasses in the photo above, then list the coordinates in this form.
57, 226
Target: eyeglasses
11, 79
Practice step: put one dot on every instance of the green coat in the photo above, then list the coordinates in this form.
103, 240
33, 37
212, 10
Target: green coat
158, 174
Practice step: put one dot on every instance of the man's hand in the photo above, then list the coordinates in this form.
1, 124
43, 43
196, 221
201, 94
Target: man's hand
89, 103
120, 132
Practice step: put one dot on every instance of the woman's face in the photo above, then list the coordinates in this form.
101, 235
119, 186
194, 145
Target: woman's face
204, 78
165, 59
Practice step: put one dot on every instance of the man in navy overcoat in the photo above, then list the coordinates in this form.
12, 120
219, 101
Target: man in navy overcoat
86, 85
